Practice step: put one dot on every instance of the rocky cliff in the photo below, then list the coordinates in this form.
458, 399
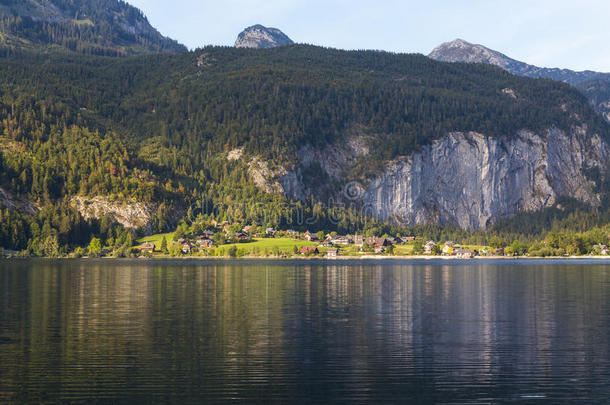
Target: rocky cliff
465, 179
131, 215
258, 36
8, 200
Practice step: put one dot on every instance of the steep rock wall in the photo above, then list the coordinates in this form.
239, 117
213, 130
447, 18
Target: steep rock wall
465, 179
130, 215
471, 179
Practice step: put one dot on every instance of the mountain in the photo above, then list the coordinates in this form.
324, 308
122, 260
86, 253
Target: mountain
101, 27
594, 85
297, 136
260, 37
353, 141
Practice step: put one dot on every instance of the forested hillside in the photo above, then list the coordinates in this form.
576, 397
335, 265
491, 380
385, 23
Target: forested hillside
156, 128
99, 27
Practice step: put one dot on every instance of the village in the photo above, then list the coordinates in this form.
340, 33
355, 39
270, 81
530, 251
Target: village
222, 240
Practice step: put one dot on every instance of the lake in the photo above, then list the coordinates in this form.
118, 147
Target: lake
305, 331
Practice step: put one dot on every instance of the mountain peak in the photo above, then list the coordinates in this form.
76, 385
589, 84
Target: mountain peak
459, 50
593, 84
259, 36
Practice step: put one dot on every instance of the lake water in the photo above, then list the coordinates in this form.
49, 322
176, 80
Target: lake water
305, 331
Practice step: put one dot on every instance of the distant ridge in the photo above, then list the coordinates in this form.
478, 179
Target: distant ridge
595, 85
100, 27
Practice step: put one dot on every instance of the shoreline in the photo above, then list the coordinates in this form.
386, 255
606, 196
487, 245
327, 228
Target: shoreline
319, 258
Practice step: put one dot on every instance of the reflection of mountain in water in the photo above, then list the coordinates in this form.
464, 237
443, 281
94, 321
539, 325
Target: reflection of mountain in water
432, 331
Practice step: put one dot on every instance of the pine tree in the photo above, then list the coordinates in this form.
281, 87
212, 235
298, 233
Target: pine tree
164, 245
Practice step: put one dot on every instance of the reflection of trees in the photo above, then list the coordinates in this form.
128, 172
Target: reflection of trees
156, 327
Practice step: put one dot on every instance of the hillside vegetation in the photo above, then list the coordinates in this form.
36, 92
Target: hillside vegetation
98, 27
157, 127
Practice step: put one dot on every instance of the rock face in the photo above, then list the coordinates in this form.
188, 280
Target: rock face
259, 37
14, 203
260, 172
130, 215
594, 85
469, 179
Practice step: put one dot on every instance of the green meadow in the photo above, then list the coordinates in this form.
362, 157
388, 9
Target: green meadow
286, 245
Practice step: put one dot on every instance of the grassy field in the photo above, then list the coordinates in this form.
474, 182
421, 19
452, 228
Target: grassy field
286, 245
403, 250
156, 239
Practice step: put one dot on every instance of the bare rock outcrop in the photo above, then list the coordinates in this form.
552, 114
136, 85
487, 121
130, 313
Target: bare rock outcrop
15, 203
129, 214
258, 36
466, 179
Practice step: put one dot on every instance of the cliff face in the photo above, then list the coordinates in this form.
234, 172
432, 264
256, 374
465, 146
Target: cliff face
470, 179
130, 215
7, 200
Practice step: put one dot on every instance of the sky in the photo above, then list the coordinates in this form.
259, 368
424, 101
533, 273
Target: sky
573, 34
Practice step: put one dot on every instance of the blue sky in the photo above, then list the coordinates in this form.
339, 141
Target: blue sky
572, 34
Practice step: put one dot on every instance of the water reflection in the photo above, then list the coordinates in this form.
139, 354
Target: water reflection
448, 332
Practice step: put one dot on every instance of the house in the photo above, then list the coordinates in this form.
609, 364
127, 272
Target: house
292, 233
187, 247
448, 248
340, 240
310, 237
205, 243
332, 252
358, 240
147, 247
406, 239
462, 253
270, 232
429, 247
378, 242
326, 243
309, 250
181, 240
246, 229
238, 236
208, 234
400, 240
